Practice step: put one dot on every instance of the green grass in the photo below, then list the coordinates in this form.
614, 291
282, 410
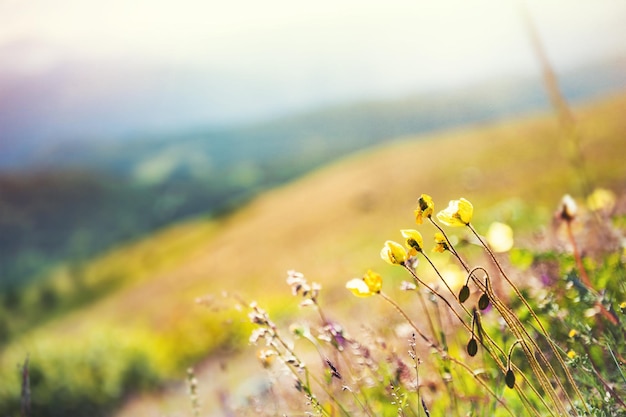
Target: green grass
329, 224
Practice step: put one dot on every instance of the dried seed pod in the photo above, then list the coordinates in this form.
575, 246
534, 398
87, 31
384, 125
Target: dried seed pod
472, 347
509, 378
464, 293
483, 301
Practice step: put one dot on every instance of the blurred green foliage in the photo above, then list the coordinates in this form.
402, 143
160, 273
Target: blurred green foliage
90, 373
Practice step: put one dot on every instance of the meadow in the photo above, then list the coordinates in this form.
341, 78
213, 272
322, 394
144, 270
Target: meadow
133, 320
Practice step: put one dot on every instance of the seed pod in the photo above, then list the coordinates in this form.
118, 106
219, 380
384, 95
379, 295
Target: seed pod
483, 301
509, 378
464, 293
472, 347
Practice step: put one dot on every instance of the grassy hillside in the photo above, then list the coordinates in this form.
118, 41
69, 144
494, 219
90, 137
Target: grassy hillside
139, 185
329, 225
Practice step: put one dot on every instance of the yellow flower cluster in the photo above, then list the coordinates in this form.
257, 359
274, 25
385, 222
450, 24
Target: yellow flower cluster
458, 213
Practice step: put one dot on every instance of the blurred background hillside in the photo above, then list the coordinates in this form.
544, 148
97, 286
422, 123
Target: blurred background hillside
118, 119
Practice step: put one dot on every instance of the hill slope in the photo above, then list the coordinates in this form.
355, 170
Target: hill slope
146, 182
330, 225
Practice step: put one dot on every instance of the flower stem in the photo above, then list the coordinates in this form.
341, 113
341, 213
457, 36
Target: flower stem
408, 319
438, 273
450, 246
541, 326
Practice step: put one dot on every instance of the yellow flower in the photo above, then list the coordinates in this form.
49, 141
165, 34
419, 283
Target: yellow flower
572, 333
500, 237
393, 253
370, 284
425, 208
373, 280
601, 199
458, 213
441, 244
414, 240
571, 354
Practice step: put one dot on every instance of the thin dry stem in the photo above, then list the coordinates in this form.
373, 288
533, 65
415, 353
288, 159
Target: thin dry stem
541, 326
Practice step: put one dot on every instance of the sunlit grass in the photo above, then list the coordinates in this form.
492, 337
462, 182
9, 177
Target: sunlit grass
329, 225
568, 328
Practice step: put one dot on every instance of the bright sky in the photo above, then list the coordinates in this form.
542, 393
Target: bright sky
318, 50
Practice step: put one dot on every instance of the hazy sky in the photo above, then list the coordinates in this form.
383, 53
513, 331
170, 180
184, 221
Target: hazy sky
272, 54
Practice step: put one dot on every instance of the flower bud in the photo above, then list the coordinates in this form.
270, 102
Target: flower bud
568, 208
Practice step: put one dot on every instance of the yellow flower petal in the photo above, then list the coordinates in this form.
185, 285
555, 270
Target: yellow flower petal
373, 281
393, 253
425, 208
458, 213
413, 238
500, 237
359, 287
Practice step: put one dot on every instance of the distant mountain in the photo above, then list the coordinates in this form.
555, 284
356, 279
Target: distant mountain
34, 109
